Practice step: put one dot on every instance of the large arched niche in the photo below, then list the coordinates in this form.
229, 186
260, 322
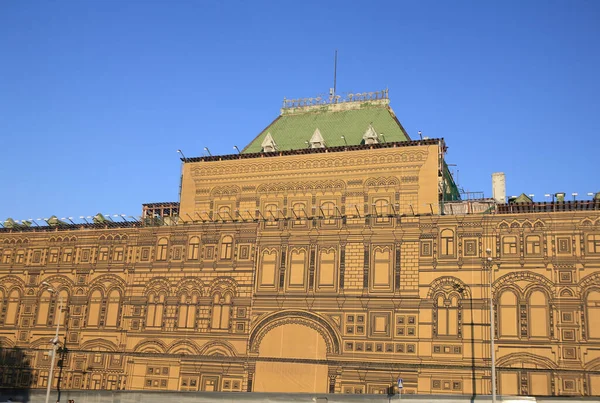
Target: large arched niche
292, 348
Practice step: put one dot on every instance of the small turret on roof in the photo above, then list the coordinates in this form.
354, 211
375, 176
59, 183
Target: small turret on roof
370, 136
55, 222
316, 141
268, 145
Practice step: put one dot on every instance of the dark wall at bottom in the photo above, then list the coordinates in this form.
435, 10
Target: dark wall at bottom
105, 396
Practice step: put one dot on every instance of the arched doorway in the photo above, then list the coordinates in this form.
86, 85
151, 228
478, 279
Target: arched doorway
292, 349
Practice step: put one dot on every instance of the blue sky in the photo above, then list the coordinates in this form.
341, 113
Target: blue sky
97, 96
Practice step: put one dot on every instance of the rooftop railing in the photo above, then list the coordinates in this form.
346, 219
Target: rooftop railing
548, 207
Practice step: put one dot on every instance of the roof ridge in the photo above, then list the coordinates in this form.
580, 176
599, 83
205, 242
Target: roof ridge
334, 107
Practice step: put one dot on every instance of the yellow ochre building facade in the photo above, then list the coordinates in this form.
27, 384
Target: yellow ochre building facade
331, 255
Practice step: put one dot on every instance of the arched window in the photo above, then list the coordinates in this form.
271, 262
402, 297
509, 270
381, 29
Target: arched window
113, 307
328, 211
326, 269
381, 209
161, 250
271, 214
268, 269
592, 303
299, 213
508, 315
221, 310
224, 213
447, 240
150, 310
447, 315
12, 307
155, 310
44, 308
297, 276
63, 296
94, 308
226, 247
187, 311
538, 315
194, 247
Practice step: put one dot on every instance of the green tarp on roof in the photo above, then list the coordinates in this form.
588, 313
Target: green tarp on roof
293, 128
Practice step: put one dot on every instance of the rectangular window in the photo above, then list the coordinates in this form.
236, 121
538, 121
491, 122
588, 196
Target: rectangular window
20, 258
67, 256
103, 254
593, 243
53, 256
161, 253
532, 244
118, 255
6, 257
509, 245
382, 269
194, 251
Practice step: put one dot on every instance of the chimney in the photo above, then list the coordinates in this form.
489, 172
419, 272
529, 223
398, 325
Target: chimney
499, 187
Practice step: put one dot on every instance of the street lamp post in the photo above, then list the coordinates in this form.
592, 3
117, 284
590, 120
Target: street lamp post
54, 341
492, 348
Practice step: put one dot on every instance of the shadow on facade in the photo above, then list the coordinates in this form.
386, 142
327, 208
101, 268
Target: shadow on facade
62, 357
15, 374
472, 342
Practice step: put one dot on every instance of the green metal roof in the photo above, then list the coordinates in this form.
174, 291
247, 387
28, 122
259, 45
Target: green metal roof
295, 126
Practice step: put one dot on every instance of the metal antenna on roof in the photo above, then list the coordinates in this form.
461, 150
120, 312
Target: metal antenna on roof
335, 73
332, 90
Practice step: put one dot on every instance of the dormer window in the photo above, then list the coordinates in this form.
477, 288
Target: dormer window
268, 145
316, 141
370, 136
